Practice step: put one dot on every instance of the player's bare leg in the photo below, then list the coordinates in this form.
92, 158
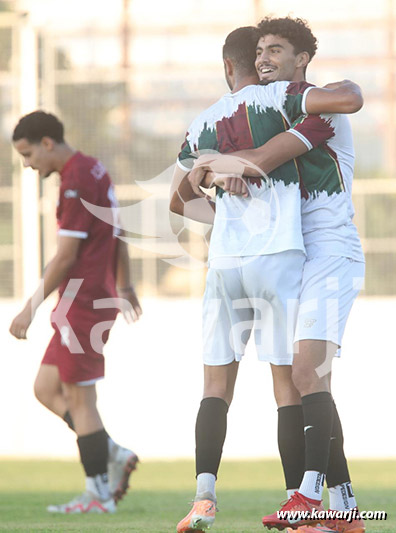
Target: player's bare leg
81, 402
312, 377
49, 392
121, 462
92, 442
311, 374
317, 414
285, 392
210, 432
48, 389
311, 355
219, 381
316, 432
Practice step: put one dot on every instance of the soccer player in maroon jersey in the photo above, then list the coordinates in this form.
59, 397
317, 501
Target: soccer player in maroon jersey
89, 264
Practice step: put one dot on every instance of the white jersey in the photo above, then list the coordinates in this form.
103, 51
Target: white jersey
327, 209
269, 221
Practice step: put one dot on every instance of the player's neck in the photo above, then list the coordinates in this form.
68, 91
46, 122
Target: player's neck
299, 75
244, 82
64, 153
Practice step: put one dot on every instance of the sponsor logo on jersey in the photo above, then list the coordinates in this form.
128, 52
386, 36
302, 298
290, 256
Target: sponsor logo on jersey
309, 322
98, 171
71, 193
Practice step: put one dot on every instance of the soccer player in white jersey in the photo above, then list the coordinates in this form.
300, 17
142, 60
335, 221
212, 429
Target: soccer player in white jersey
310, 432
266, 266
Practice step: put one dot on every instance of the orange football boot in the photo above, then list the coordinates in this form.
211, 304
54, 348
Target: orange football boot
343, 526
200, 518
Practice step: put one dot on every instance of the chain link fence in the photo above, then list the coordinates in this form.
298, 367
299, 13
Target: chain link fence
133, 115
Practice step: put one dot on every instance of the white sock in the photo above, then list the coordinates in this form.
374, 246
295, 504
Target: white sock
99, 486
290, 492
312, 485
341, 497
206, 487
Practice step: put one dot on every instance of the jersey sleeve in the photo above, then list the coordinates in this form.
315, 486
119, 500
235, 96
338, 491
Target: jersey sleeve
314, 130
286, 97
74, 220
294, 103
290, 98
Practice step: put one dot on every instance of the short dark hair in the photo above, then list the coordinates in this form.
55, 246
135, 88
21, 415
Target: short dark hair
296, 31
240, 46
37, 125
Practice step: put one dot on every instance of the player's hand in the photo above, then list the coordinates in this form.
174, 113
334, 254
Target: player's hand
235, 185
21, 323
195, 177
224, 180
131, 309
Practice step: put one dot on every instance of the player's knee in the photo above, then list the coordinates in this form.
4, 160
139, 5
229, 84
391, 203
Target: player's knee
215, 391
42, 393
218, 385
70, 397
218, 389
79, 398
287, 396
301, 377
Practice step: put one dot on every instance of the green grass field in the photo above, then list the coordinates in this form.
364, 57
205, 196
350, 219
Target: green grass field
161, 491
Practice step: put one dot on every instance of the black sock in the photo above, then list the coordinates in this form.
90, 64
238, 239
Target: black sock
337, 470
94, 452
318, 413
68, 419
291, 443
210, 432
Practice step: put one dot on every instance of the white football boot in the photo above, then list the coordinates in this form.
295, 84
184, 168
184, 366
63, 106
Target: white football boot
87, 502
122, 462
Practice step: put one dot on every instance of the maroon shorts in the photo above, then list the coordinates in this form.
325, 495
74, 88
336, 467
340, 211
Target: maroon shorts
77, 345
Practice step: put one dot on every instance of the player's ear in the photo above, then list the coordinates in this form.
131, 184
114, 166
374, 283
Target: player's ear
48, 143
302, 59
228, 66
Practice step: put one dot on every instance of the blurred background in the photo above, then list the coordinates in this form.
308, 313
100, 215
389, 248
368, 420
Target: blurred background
127, 77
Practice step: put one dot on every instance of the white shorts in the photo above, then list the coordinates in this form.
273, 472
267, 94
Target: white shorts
252, 293
329, 288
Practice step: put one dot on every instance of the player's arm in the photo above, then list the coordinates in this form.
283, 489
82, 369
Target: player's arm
265, 158
340, 97
132, 310
55, 272
185, 202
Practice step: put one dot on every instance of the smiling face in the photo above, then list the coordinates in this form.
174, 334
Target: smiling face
277, 61
38, 156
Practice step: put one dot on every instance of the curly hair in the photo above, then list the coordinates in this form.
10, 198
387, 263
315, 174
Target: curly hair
296, 31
